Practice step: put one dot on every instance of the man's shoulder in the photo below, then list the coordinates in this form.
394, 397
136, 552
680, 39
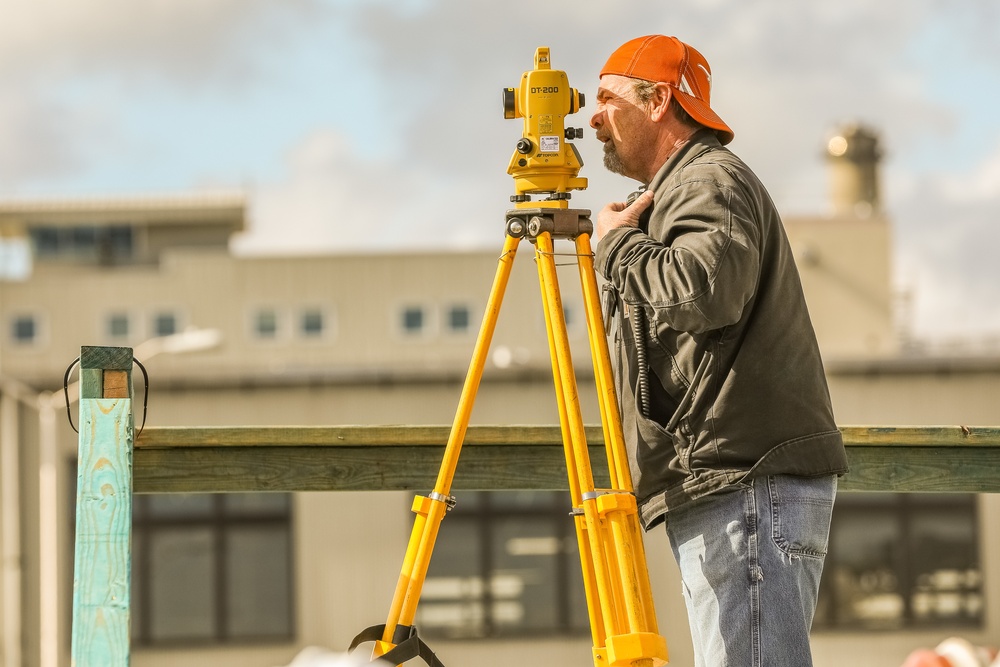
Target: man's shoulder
714, 164
711, 161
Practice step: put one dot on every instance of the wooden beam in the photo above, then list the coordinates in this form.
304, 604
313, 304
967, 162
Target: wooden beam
231, 459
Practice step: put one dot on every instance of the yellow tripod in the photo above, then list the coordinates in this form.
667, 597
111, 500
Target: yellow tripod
616, 582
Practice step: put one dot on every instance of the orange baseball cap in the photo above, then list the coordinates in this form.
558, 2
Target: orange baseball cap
668, 60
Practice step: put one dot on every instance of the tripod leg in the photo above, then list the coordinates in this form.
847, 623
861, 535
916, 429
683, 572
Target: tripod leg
621, 477
430, 511
636, 642
597, 628
578, 457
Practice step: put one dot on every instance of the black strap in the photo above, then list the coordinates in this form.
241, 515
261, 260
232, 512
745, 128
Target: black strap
372, 634
408, 645
609, 305
645, 215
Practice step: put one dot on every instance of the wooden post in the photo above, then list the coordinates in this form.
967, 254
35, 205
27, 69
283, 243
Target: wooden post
102, 564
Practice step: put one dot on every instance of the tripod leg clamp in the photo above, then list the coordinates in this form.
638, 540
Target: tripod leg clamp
407, 645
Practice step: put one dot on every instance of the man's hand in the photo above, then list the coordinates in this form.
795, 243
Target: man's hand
618, 214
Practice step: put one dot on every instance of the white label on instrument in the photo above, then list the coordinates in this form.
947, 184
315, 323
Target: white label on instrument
548, 144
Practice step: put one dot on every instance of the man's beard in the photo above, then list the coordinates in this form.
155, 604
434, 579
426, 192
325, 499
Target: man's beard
612, 159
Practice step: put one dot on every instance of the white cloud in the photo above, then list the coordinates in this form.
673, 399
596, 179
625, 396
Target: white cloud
36, 140
947, 230
70, 72
982, 183
330, 200
183, 39
334, 200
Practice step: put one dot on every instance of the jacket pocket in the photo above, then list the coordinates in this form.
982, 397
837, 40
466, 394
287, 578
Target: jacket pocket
664, 393
669, 418
677, 397
676, 355
661, 449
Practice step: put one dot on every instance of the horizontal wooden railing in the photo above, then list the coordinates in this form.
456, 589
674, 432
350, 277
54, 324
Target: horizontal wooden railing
374, 458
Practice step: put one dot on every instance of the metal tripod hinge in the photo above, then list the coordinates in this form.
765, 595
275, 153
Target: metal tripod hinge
560, 223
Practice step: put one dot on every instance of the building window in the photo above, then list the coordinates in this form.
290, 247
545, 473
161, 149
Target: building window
83, 240
24, 329
459, 319
107, 244
116, 244
902, 561
413, 320
505, 564
312, 323
212, 568
164, 324
265, 324
46, 241
118, 326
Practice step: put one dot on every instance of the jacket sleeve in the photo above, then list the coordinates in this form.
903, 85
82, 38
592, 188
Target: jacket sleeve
698, 266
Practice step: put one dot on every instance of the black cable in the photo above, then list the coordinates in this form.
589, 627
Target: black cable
69, 413
642, 365
145, 394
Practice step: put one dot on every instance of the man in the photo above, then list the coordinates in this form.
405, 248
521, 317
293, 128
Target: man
725, 405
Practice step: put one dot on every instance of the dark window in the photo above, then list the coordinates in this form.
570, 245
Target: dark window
118, 325
46, 241
165, 324
83, 239
119, 240
106, 244
312, 323
266, 323
413, 319
211, 568
901, 561
505, 564
24, 329
458, 319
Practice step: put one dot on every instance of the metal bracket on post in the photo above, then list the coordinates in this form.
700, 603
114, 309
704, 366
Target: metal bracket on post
102, 562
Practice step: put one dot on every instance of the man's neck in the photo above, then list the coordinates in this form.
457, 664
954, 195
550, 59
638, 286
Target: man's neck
672, 138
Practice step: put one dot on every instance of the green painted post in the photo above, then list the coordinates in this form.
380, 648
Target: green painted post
102, 563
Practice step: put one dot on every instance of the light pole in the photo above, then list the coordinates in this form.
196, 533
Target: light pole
49, 403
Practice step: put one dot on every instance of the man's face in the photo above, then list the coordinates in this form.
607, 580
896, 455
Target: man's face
623, 124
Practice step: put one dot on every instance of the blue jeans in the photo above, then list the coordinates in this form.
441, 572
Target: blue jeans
750, 562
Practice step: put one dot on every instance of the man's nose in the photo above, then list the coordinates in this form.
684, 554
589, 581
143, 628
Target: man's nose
597, 120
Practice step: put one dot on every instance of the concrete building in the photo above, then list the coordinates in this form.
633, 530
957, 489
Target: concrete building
250, 580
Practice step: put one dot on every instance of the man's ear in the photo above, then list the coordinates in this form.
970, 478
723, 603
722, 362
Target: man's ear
660, 102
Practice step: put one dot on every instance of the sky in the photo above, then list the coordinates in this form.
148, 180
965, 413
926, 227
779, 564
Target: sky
377, 126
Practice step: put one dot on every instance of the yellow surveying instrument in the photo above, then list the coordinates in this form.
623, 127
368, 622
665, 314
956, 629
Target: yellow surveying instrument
544, 160
616, 581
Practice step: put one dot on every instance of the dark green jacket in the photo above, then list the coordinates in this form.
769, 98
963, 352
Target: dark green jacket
718, 370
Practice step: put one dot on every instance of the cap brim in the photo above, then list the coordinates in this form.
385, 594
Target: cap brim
704, 115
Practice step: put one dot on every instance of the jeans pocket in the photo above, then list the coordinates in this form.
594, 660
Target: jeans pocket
801, 508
